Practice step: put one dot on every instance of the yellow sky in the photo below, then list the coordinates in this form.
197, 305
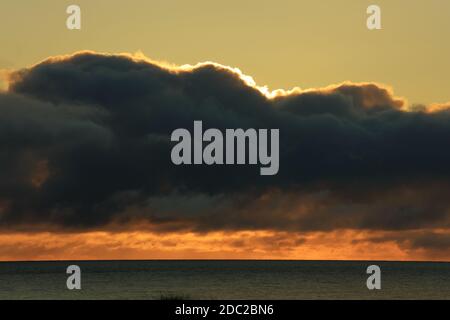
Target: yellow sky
281, 43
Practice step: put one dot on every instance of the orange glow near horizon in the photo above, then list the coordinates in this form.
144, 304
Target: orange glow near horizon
265, 245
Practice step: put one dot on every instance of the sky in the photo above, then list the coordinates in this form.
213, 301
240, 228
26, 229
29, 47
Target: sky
282, 44
85, 119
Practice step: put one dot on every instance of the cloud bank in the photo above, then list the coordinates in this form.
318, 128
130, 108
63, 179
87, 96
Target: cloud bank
85, 144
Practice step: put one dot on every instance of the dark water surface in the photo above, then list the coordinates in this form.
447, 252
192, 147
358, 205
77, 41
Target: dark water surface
224, 280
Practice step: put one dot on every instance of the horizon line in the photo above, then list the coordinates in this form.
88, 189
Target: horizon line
223, 260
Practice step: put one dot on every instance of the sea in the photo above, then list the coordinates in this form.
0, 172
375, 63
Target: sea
230, 280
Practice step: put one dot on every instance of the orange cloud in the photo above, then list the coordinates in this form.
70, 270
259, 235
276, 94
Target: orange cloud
336, 245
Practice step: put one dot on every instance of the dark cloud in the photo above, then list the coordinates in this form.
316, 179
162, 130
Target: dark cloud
85, 141
431, 242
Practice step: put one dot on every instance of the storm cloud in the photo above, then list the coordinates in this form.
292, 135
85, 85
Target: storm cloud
85, 143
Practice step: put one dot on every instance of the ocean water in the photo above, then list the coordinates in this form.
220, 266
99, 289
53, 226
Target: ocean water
224, 280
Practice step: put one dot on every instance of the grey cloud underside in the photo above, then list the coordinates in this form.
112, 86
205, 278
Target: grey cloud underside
350, 157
